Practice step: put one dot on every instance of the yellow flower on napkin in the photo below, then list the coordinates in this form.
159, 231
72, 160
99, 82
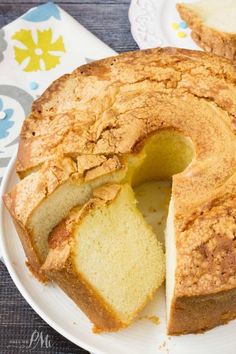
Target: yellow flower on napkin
44, 54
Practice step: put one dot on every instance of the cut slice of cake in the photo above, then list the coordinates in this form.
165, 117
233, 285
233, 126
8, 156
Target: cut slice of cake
213, 24
45, 197
107, 258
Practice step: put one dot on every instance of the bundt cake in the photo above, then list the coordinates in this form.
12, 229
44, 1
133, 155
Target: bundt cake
213, 24
110, 272
142, 116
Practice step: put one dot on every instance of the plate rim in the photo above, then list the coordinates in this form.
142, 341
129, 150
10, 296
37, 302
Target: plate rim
145, 35
131, 16
23, 291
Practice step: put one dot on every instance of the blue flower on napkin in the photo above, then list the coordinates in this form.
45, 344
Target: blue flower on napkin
5, 120
43, 13
3, 44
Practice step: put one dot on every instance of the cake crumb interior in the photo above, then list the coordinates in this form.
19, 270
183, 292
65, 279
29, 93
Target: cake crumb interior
125, 264
110, 257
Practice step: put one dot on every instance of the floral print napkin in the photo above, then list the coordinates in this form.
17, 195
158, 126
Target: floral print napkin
36, 49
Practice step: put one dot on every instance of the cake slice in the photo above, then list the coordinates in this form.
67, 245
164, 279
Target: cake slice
45, 197
213, 24
106, 258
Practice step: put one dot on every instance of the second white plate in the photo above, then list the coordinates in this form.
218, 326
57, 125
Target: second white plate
156, 23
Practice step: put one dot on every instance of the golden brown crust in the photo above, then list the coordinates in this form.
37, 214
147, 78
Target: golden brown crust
103, 318
209, 39
196, 314
27, 195
33, 260
90, 112
59, 235
207, 256
205, 283
105, 110
60, 268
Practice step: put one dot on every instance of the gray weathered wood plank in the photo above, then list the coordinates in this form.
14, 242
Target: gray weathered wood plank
109, 22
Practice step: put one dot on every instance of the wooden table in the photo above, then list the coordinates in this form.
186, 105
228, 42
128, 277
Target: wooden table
108, 20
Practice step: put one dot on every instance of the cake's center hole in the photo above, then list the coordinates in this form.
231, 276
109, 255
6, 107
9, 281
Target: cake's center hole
164, 155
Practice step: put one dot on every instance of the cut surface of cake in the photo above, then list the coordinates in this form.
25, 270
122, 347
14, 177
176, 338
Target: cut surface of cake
138, 118
107, 258
213, 24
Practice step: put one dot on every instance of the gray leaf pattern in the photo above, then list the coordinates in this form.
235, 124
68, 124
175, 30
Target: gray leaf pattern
25, 100
3, 44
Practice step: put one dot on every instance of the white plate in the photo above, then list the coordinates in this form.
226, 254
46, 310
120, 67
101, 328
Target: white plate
143, 337
151, 24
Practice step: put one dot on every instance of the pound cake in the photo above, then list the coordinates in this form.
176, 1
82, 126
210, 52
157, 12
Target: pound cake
158, 114
213, 25
110, 272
